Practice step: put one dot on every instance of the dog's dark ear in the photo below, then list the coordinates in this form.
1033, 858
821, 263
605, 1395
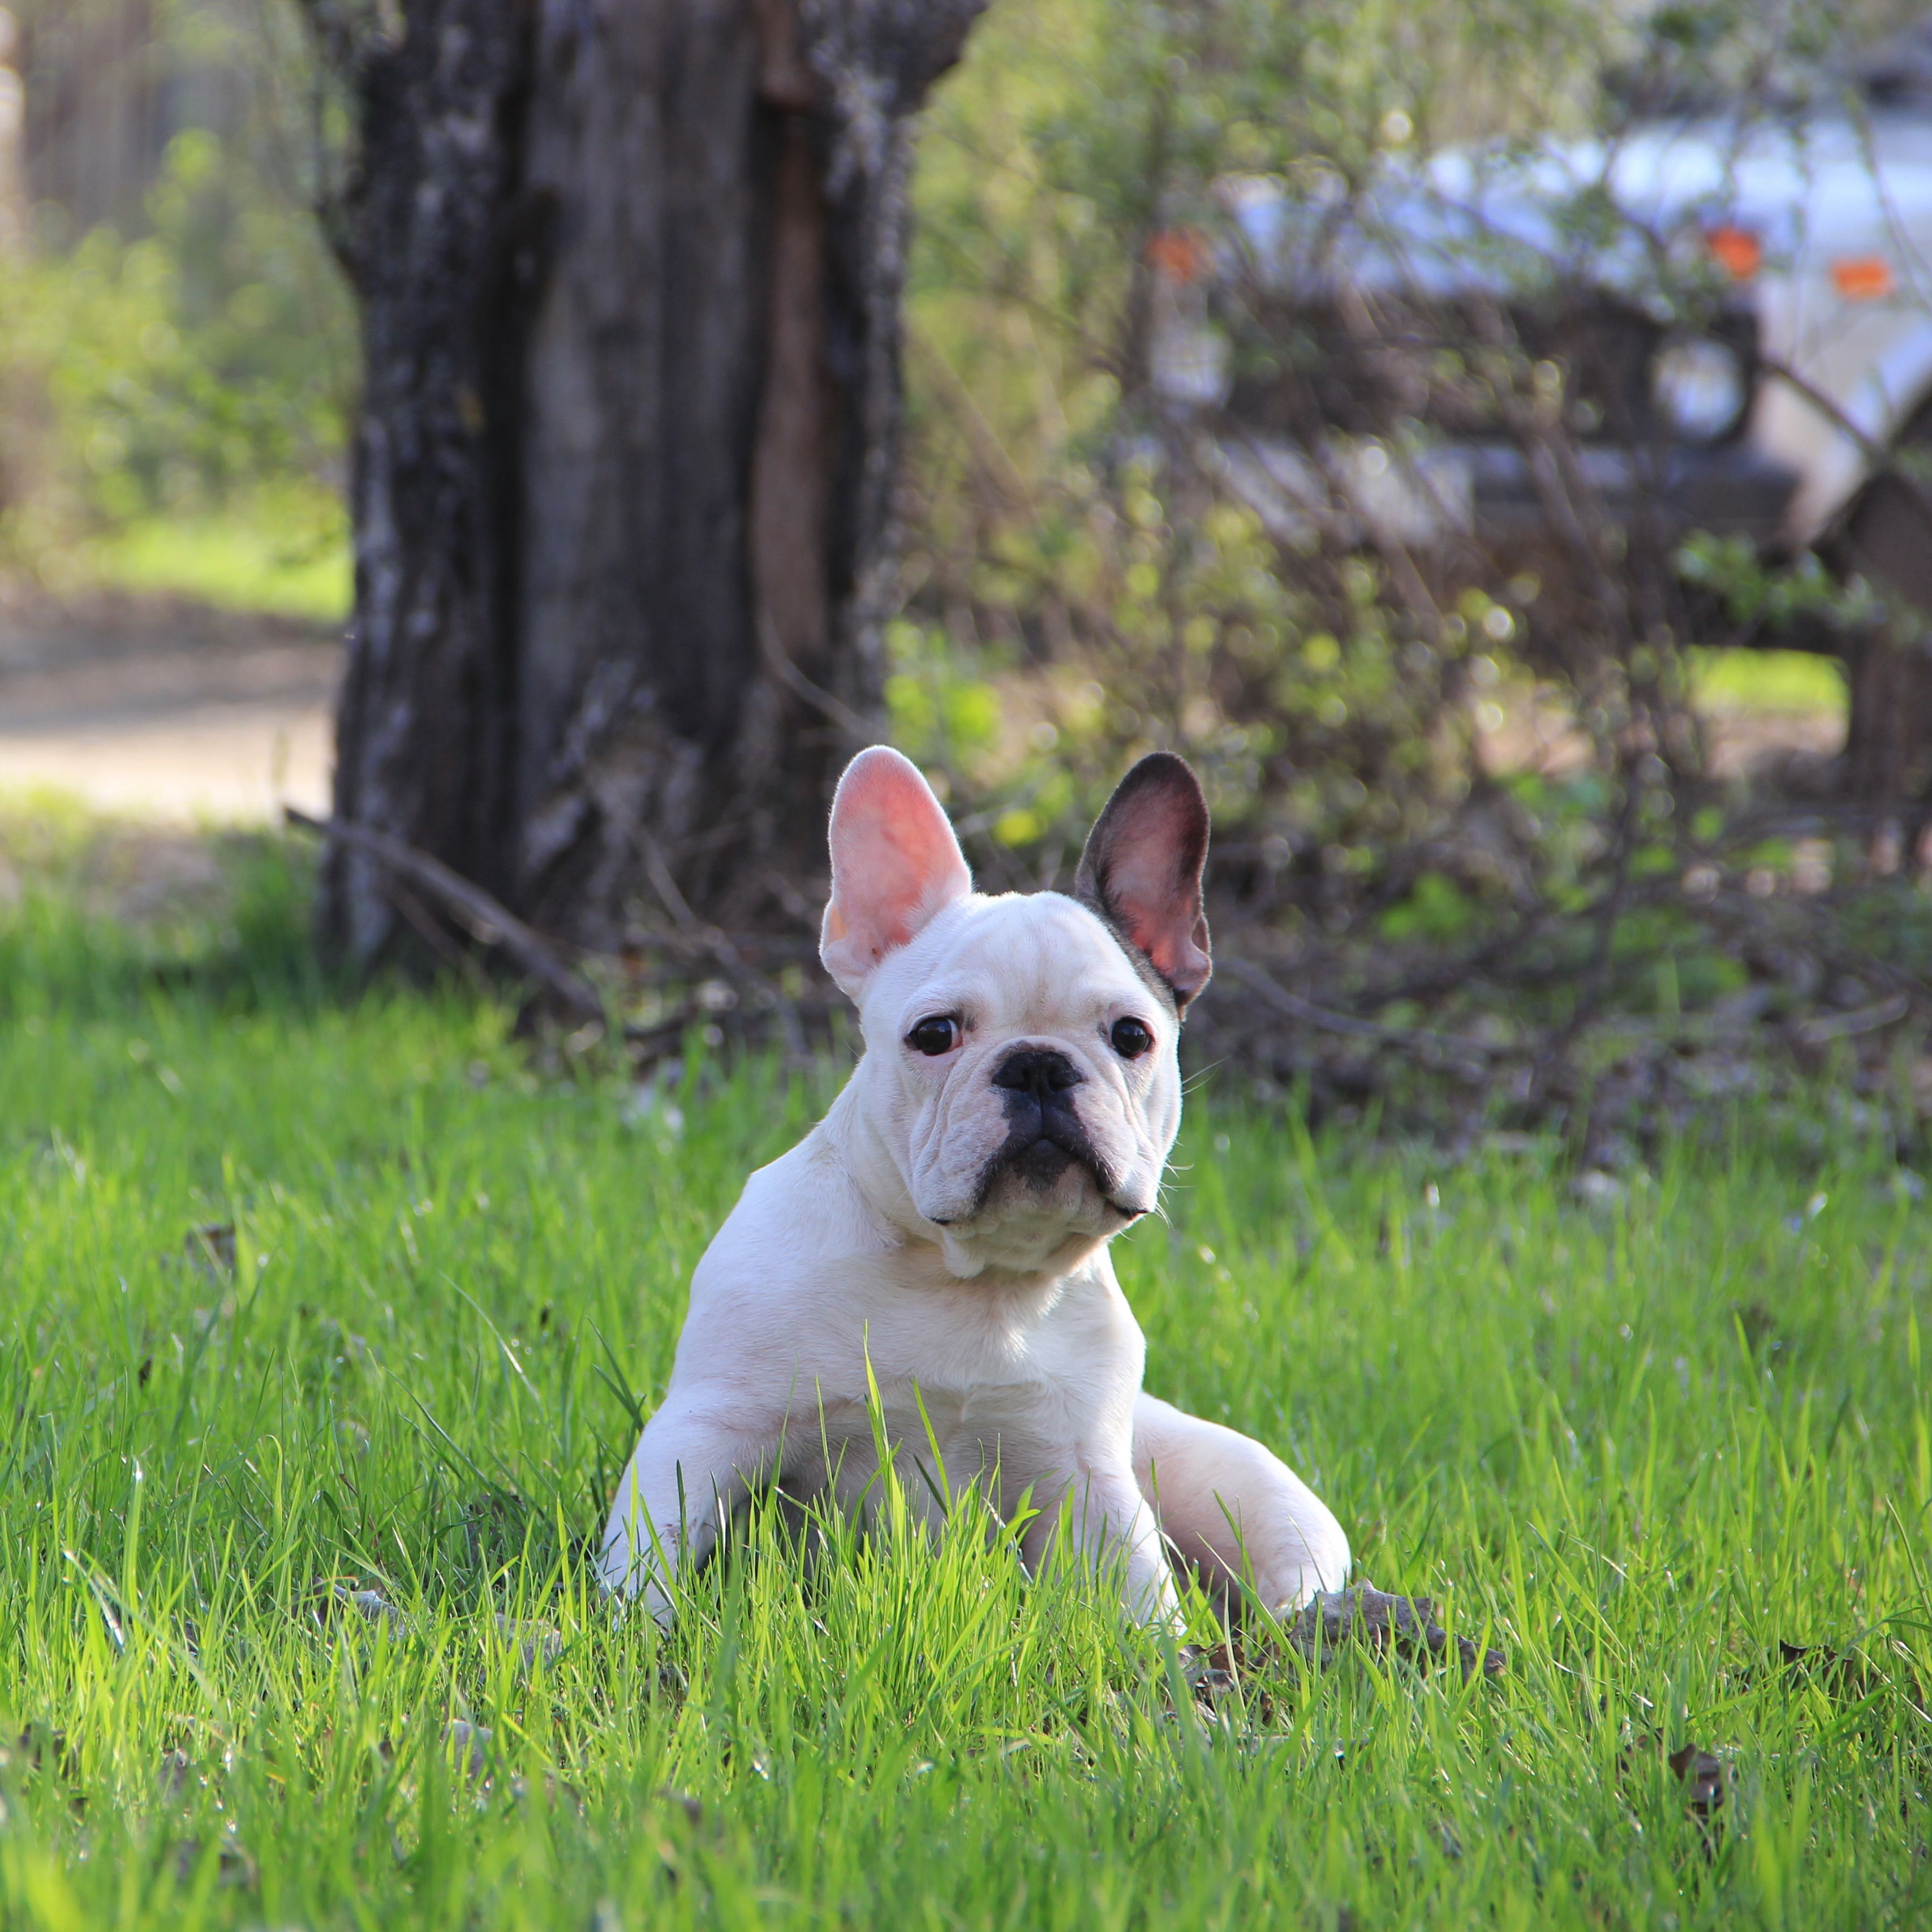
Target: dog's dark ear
1141, 869
895, 864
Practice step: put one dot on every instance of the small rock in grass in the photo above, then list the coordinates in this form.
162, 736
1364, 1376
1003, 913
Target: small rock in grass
374, 1608
693, 1810
531, 1641
211, 1247
1404, 1626
176, 1777
1595, 1189
1209, 1674
1701, 1774
468, 1746
1843, 1673
236, 1867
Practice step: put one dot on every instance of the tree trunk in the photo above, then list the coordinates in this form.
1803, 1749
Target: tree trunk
1887, 763
1888, 539
630, 274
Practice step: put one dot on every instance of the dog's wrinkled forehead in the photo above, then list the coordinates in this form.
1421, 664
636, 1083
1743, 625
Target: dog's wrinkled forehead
1037, 962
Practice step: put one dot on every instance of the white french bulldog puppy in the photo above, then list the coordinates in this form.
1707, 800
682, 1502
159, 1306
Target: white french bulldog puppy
946, 1224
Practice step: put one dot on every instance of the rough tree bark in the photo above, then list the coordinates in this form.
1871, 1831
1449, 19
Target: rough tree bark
1888, 539
630, 274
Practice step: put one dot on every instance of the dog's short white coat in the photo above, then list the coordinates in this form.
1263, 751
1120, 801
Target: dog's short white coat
986, 1312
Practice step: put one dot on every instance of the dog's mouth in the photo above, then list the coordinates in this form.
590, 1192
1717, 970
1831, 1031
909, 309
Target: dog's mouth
1045, 1142
1040, 1159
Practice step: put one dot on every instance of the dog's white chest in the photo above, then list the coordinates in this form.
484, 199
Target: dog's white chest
966, 1382
941, 1441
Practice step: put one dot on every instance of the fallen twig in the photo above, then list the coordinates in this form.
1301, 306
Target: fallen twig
491, 923
487, 919
1845, 1026
794, 680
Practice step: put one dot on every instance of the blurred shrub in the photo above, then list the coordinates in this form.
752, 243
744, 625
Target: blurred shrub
197, 360
1081, 588
197, 374
1083, 583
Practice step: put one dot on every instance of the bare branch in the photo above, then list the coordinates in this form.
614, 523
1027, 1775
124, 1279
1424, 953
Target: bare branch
486, 920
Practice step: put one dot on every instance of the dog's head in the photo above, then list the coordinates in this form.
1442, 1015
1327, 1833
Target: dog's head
1020, 1084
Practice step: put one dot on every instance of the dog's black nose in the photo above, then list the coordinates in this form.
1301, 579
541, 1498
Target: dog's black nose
1037, 1070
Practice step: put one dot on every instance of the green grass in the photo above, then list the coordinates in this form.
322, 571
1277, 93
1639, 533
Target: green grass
1772, 681
1640, 1443
294, 564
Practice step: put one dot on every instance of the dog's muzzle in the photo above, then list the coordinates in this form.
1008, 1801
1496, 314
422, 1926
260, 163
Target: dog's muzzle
1044, 1134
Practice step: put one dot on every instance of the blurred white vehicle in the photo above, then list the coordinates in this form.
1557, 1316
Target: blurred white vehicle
1806, 232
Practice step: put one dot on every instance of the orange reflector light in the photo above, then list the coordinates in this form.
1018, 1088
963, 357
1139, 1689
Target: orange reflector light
1737, 251
1862, 277
1178, 254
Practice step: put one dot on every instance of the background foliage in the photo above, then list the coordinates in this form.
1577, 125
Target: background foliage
1080, 583
180, 379
1083, 583
1062, 520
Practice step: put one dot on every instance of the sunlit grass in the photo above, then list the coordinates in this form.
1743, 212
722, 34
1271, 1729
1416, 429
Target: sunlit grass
1643, 1442
249, 558
1787, 681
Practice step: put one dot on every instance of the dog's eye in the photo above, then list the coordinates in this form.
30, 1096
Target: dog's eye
934, 1037
1132, 1038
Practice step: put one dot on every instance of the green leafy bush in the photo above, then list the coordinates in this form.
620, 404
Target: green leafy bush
178, 396
1439, 785
1065, 541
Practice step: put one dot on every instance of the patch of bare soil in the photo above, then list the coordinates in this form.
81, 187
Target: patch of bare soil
1749, 744
1538, 736
163, 709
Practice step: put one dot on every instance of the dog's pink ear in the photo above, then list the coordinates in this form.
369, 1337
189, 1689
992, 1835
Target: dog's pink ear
1142, 870
895, 863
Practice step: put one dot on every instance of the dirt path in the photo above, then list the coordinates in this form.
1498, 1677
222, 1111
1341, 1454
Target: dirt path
176, 713
166, 712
